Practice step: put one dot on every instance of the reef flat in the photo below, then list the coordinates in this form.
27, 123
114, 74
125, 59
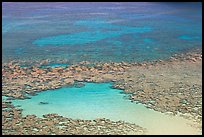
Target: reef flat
172, 86
53, 124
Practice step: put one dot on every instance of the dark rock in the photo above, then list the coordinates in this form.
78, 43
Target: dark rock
43, 103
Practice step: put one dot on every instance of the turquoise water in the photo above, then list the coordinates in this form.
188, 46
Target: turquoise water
49, 65
4, 97
187, 37
101, 101
54, 65
136, 31
87, 37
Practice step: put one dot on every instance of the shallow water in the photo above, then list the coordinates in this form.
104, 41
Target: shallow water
54, 65
108, 32
101, 101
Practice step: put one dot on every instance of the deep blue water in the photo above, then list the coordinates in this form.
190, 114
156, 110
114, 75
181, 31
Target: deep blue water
100, 31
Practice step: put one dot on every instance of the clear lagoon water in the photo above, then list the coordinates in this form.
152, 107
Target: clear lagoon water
99, 100
54, 65
100, 31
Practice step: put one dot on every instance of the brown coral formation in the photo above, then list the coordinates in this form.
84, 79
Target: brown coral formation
53, 124
175, 88
172, 85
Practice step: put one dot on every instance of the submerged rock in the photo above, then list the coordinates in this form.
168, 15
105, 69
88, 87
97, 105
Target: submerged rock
43, 103
79, 84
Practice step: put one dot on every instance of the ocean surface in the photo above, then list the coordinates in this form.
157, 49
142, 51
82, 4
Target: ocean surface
101, 101
100, 31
